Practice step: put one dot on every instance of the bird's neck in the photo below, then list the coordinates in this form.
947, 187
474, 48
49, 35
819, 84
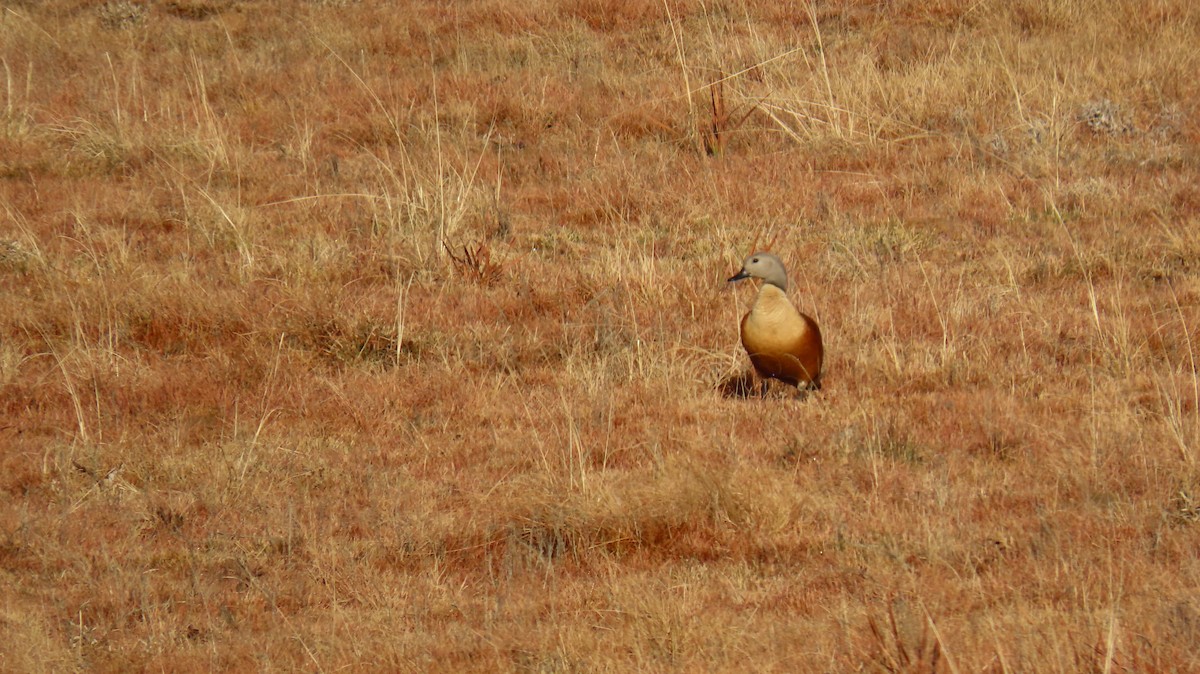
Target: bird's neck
772, 302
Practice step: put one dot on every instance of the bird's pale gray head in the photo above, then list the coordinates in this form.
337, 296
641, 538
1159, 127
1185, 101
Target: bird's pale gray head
763, 266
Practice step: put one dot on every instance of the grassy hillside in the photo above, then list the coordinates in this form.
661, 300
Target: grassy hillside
353, 336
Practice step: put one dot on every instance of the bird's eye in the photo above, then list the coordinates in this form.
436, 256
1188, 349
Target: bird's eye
755, 261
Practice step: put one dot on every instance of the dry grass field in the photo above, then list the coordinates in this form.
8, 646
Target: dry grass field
372, 336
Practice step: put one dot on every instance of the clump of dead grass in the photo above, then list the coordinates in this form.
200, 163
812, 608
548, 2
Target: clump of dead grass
121, 14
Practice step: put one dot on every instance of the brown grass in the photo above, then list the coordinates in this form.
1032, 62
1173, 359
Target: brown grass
392, 336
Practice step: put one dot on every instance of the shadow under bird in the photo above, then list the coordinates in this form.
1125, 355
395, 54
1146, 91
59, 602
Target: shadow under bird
782, 342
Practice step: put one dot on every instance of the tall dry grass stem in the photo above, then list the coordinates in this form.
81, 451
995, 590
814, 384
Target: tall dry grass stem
684, 68
831, 103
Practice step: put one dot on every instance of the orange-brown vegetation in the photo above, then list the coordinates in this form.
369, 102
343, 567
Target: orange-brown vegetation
343, 335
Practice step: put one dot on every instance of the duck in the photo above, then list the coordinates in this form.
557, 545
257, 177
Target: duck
783, 343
